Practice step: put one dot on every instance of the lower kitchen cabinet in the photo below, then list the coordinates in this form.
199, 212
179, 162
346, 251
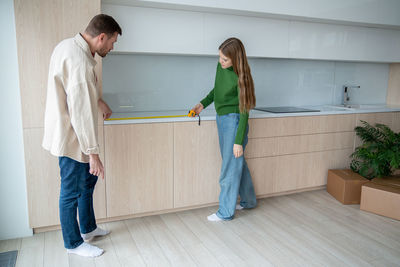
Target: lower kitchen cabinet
197, 163
43, 182
152, 167
292, 153
139, 168
295, 171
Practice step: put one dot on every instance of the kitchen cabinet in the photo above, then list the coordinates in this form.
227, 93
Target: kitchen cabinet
325, 41
157, 30
139, 168
161, 31
40, 26
294, 153
340, 42
382, 45
341, 12
261, 37
43, 182
197, 163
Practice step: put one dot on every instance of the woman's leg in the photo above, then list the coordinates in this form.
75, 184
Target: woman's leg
232, 168
246, 190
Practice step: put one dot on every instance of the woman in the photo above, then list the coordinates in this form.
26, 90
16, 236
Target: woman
233, 97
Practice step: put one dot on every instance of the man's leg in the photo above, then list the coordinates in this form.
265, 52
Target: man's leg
87, 217
68, 203
72, 174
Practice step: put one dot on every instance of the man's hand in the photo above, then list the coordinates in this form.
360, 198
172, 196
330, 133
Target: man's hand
105, 109
237, 150
96, 167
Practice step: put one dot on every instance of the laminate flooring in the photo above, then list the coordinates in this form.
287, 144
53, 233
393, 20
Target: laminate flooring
304, 229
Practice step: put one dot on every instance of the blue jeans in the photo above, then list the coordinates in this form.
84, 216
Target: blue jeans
235, 178
77, 186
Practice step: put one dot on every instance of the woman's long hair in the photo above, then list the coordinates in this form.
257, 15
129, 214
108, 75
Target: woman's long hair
234, 49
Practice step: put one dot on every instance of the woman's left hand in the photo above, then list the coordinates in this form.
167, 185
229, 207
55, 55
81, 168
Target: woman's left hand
237, 150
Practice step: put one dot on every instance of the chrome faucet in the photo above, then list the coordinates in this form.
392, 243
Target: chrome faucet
346, 90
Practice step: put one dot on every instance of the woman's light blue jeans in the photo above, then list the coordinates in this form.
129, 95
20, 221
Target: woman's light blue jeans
77, 186
235, 178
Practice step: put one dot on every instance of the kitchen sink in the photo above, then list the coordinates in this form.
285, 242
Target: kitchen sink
360, 106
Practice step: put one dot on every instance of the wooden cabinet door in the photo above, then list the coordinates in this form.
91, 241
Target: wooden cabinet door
139, 168
43, 182
292, 153
197, 163
40, 26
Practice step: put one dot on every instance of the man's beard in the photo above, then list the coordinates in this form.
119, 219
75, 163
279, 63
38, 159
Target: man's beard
102, 53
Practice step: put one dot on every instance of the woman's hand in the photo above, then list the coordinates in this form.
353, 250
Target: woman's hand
237, 150
198, 108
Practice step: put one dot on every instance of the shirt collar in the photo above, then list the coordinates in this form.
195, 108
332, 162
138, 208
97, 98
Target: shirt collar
85, 47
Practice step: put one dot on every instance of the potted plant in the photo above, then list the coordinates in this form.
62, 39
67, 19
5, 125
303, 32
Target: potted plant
379, 154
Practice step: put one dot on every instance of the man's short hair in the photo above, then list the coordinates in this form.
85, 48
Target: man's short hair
103, 23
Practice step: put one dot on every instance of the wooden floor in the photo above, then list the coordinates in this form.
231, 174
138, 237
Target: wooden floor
305, 229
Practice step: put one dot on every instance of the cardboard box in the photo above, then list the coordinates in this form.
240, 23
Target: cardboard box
382, 196
345, 185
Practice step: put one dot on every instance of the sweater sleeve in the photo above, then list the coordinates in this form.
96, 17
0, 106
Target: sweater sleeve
208, 99
244, 117
82, 106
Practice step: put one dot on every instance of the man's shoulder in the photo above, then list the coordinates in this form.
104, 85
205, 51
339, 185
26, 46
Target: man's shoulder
67, 47
69, 42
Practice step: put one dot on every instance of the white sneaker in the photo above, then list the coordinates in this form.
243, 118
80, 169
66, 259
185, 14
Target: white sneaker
86, 250
96, 232
238, 207
214, 218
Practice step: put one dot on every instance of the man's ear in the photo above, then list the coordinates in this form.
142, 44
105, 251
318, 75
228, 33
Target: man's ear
102, 37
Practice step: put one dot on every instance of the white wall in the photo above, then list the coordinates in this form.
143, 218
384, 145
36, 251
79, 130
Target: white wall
13, 198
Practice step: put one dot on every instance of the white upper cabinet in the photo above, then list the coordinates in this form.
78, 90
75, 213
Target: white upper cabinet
261, 37
339, 42
325, 41
382, 45
151, 30
173, 31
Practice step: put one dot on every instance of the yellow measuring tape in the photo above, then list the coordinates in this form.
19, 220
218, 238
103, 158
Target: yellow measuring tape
190, 114
148, 117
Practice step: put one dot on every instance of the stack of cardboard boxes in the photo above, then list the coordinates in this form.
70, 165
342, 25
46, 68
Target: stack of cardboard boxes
380, 195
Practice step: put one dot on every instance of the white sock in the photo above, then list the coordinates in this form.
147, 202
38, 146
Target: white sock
238, 207
214, 218
86, 250
96, 232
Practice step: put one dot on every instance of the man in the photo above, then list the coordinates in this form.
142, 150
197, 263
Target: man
70, 130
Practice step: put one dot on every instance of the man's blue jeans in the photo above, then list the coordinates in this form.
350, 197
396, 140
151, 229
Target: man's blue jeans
77, 186
235, 178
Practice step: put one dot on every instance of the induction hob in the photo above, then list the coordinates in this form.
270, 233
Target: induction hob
285, 109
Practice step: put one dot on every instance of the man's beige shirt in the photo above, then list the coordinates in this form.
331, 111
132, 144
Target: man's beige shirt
70, 125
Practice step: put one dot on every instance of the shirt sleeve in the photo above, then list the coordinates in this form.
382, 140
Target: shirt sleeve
208, 99
241, 130
82, 102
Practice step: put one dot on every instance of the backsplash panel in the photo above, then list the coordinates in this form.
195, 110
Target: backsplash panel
148, 82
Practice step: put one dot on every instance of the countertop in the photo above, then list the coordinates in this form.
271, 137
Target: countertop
210, 114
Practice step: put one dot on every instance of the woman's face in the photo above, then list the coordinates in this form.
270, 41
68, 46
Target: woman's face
225, 61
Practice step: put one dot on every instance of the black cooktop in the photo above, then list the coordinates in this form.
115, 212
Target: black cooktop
285, 109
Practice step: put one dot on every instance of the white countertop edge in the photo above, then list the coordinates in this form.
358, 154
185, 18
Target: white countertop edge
254, 114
